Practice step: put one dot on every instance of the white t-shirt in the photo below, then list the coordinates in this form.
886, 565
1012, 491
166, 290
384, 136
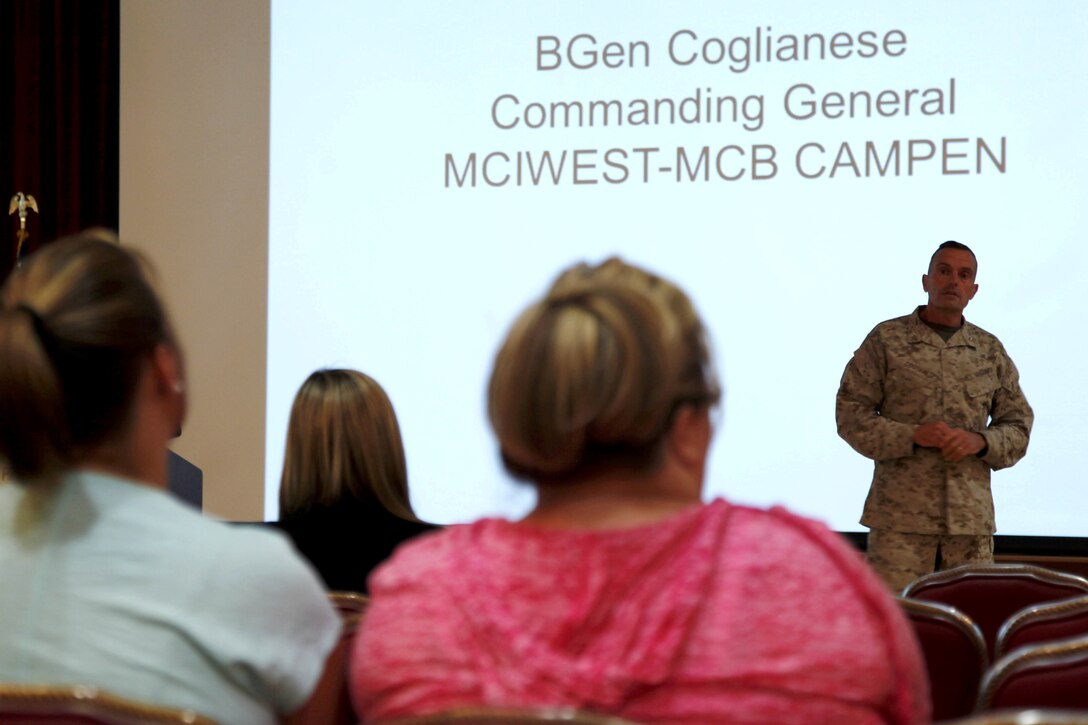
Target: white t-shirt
110, 583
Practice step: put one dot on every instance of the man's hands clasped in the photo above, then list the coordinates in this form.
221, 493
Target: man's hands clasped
955, 444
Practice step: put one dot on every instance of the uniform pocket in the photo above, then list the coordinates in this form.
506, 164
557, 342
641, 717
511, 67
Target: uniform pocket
979, 397
982, 386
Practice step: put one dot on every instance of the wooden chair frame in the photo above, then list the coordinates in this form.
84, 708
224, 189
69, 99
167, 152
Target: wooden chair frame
349, 602
938, 585
85, 704
1029, 571
1032, 716
1039, 614
961, 623
1026, 658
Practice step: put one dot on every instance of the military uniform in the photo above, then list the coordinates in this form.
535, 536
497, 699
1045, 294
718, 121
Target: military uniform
904, 374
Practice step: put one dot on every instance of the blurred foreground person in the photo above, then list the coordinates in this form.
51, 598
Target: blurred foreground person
344, 490
107, 580
622, 592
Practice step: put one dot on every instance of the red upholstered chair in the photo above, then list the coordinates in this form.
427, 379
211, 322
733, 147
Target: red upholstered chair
508, 716
1023, 717
80, 705
1051, 674
990, 593
1062, 619
955, 655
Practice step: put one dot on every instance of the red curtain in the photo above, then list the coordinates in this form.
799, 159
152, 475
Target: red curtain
60, 91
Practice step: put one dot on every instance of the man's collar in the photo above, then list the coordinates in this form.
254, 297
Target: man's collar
922, 332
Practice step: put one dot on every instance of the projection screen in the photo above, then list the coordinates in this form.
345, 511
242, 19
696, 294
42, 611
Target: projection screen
792, 166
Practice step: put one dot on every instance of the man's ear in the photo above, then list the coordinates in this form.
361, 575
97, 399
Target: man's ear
925, 283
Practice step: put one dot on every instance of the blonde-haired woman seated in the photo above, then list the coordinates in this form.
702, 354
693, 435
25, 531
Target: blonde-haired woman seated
344, 490
622, 592
105, 579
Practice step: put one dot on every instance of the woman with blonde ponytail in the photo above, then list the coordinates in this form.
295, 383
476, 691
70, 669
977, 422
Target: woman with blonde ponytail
105, 579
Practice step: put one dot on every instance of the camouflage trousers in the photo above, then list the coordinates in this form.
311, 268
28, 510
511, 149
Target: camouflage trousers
901, 558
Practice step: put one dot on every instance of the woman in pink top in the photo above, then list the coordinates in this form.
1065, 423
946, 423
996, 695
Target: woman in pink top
622, 592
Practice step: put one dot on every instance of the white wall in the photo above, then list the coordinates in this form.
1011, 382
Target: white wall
194, 195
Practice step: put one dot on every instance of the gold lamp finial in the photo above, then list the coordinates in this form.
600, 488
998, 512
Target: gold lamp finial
22, 203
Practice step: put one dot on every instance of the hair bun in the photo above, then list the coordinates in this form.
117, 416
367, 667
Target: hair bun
592, 372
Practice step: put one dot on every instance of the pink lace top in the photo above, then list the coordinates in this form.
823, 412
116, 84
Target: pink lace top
719, 614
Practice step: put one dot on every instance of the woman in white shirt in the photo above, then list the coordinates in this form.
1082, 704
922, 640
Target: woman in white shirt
107, 580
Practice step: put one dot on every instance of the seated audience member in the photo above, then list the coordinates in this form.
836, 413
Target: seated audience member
621, 592
107, 580
344, 490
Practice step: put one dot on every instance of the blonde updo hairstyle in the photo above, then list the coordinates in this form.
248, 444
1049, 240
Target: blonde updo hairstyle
343, 442
78, 320
591, 376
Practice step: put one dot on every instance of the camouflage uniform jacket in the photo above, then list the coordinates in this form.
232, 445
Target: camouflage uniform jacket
904, 375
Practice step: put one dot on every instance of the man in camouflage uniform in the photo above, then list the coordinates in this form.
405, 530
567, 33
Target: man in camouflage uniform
936, 402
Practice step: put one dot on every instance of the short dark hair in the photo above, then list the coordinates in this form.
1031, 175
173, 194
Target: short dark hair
950, 244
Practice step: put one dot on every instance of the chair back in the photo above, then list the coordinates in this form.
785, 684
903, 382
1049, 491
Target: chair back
508, 716
1062, 619
1051, 674
990, 593
954, 652
82, 705
349, 602
1023, 717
